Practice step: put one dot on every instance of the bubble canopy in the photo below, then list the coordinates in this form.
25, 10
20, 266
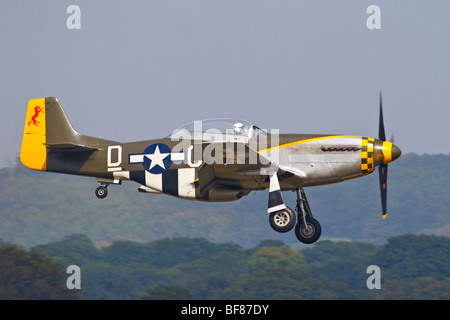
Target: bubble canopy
214, 129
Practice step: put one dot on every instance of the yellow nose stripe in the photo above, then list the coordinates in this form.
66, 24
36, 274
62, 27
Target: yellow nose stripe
387, 152
367, 165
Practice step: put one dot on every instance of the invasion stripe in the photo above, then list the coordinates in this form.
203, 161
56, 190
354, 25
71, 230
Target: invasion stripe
170, 182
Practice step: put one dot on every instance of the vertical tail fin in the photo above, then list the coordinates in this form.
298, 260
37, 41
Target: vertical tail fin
59, 130
48, 130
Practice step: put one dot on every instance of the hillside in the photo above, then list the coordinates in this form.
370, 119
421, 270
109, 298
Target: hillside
38, 208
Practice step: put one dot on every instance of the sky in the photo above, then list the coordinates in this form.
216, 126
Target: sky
136, 70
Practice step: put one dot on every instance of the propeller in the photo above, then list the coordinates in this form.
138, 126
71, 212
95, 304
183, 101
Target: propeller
383, 168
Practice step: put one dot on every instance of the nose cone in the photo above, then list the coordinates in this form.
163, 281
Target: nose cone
390, 152
385, 152
396, 152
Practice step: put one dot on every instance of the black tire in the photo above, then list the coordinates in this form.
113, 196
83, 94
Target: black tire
283, 220
310, 235
101, 192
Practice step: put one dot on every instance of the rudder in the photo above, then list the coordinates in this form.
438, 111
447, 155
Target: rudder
33, 153
45, 124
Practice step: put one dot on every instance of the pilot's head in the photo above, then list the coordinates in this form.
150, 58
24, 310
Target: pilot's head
238, 128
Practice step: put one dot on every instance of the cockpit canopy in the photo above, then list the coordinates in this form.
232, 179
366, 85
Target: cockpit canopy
219, 130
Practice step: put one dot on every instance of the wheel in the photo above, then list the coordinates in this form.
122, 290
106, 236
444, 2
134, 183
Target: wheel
308, 235
283, 220
101, 192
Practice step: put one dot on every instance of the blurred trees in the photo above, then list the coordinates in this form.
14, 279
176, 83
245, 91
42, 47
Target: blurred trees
31, 275
412, 267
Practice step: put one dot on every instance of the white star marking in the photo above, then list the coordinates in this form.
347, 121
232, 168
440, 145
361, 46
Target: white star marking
157, 158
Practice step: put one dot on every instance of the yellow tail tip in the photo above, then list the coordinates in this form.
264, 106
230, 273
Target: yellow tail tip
33, 152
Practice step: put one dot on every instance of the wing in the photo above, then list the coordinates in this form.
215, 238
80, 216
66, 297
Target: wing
232, 170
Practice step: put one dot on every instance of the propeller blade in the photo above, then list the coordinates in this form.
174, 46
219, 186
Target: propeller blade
382, 173
381, 133
392, 138
383, 169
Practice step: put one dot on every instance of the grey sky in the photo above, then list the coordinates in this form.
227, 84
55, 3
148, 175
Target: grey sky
136, 70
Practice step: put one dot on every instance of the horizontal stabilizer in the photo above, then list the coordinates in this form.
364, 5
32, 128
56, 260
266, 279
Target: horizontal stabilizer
68, 147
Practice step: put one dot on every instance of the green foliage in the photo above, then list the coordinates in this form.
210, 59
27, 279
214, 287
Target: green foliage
168, 293
30, 275
184, 268
422, 288
275, 257
284, 284
341, 261
416, 256
74, 247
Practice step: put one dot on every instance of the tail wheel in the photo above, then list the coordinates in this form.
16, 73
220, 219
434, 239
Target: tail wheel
283, 220
310, 232
101, 192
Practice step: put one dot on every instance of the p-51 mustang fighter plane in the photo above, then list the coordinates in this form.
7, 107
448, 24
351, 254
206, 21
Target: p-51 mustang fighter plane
212, 160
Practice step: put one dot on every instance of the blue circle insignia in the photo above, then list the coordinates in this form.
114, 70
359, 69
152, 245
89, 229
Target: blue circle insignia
157, 158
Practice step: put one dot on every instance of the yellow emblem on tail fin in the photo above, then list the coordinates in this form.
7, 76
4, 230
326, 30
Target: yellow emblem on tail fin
33, 153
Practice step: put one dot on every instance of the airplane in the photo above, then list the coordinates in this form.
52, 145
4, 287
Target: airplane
211, 160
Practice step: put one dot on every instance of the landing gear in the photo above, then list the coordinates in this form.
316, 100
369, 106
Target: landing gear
283, 220
308, 232
308, 229
102, 191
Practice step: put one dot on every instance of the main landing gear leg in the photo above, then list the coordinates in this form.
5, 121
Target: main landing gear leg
308, 229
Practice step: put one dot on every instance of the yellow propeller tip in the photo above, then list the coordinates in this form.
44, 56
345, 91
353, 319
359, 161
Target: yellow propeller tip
384, 216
